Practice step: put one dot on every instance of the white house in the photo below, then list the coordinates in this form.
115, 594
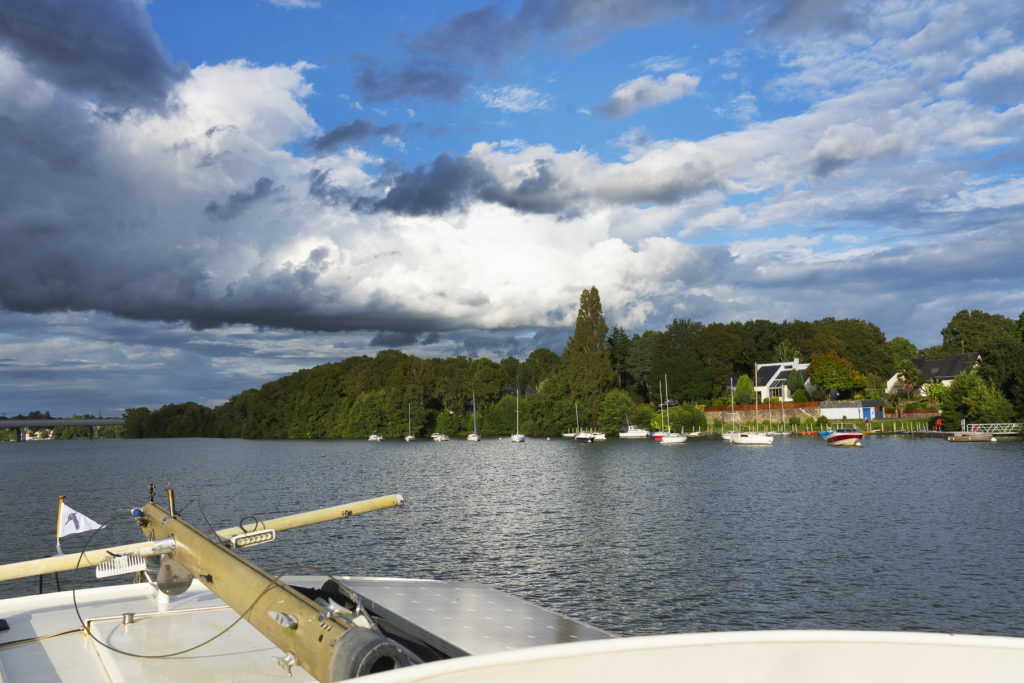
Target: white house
770, 379
940, 370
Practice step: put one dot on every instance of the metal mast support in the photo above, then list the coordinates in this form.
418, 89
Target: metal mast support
326, 644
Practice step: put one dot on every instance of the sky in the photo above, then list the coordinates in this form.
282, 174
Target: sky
199, 197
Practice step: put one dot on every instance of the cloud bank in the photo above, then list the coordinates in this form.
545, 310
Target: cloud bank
208, 203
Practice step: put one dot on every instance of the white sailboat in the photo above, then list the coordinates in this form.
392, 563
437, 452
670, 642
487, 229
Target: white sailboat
754, 438
409, 436
581, 436
669, 437
732, 413
473, 436
517, 437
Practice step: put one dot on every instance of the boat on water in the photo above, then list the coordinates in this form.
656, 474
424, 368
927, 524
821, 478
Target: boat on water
668, 437
438, 436
375, 437
754, 438
473, 436
409, 436
727, 435
751, 439
207, 614
843, 434
971, 436
517, 437
581, 436
629, 431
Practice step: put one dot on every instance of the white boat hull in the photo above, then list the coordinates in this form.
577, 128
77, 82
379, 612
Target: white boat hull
741, 657
751, 439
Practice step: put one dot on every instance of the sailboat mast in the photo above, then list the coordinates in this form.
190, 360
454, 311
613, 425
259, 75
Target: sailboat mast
668, 418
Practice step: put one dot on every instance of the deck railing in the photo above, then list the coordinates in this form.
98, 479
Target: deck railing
995, 428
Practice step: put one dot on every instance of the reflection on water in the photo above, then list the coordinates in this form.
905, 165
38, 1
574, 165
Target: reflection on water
632, 537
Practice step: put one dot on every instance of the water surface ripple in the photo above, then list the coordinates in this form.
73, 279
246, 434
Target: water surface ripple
632, 537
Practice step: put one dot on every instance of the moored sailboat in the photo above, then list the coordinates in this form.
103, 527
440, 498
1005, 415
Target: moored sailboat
409, 436
517, 437
754, 438
473, 436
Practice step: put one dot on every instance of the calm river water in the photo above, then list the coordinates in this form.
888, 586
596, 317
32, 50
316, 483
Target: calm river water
632, 537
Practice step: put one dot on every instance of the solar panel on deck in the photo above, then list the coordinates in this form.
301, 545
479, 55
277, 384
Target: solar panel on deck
467, 618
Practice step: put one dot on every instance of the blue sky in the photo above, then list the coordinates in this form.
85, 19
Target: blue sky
199, 197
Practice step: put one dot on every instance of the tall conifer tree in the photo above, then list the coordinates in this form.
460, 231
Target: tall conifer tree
587, 356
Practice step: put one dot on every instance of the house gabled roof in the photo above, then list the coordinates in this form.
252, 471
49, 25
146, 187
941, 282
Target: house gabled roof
767, 371
939, 369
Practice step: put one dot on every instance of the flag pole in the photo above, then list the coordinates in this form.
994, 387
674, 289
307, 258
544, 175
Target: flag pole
60, 511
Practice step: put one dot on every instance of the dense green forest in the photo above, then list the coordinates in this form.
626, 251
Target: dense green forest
610, 376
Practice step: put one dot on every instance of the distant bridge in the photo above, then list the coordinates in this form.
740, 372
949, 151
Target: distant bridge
23, 426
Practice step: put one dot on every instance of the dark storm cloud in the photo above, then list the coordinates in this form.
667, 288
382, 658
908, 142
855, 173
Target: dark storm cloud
356, 131
450, 183
443, 59
394, 340
442, 81
445, 184
105, 48
240, 201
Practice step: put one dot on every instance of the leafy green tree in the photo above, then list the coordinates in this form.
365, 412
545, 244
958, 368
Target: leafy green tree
719, 347
909, 377
136, 423
640, 358
538, 367
487, 379
795, 385
760, 338
618, 350
935, 391
676, 357
744, 391
687, 417
830, 371
902, 350
615, 410
500, 418
367, 415
510, 370
974, 399
785, 350
71, 432
971, 331
587, 358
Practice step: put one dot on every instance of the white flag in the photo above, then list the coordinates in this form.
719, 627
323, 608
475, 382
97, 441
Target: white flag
72, 522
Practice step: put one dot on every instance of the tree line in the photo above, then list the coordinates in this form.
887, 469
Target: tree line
608, 376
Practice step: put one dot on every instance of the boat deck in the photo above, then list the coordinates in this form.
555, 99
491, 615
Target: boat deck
45, 632
466, 618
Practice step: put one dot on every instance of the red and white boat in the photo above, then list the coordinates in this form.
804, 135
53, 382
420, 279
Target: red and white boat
843, 435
